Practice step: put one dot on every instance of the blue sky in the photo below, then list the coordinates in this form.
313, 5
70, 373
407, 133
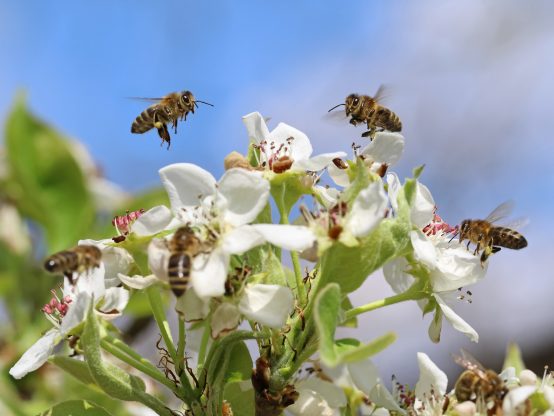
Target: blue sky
472, 82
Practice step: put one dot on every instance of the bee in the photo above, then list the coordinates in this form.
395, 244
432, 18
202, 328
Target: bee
168, 109
76, 260
479, 384
366, 109
489, 237
183, 246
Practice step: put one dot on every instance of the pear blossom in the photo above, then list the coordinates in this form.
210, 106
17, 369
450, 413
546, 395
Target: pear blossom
430, 389
285, 147
226, 208
514, 401
69, 311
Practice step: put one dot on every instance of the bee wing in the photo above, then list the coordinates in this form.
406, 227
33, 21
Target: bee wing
152, 100
382, 93
517, 223
501, 211
468, 361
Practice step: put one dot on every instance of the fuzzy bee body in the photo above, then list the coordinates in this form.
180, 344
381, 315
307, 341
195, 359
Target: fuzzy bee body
184, 245
168, 110
489, 237
366, 109
75, 260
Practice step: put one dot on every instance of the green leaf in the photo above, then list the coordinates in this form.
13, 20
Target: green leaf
360, 178
78, 369
418, 171
240, 364
513, 358
362, 351
326, 314
241, 400
75, 408
48, 185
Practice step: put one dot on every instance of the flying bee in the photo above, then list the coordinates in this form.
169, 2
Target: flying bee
366, 109
76, 260
183, 246
168, 109
479, 384
489, 237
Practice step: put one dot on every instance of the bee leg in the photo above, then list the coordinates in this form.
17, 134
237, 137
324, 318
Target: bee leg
69, 275
353, 121
175, 125
467, 246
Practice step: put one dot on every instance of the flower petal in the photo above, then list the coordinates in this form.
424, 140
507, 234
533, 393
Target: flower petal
424, 250
386, 147
186, 184
137, 281
393, 189
191, 307
431, 378
456, 321
91, 282
225, 319
152, 221
333, 394
339, 176
383, 398
36, 355
311, 403
289, 237
256, 127
241, 239
364, 375
269, 305
329, 196
158, 257
114, 301
435, 327
516, 397
424, 206
299, 148
209, 273
456, 267
396, 276
246, 194
368, 210
76, 313
318, 162
115, 259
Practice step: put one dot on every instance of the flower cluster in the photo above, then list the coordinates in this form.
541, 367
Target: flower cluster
231, 252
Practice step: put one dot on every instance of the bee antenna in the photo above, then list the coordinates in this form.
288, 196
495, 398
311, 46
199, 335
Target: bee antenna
338, 105
203, 102
454, 236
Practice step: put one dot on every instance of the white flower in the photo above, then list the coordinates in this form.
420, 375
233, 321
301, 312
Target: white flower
317, 397
423, 207
68, 312
285, 141
226, 208
513, 403
430, 389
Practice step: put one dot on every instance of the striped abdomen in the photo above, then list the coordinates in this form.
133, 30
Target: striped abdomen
145, 120
387, 119
178, 272
506, 237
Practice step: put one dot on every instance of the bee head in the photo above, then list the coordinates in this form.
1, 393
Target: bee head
352, 102
464, 229
187, 100
50, 265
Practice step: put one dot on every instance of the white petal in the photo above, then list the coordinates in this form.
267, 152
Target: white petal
246, 194
395, 275
527, 378
318, 162
394, 188
300, 147
137, 281
364, 375
191, 307
424, 206
368, 210
241, 239
186, 184
329, 196
424, 250
516, 397
311, 403
435, 327
114, 301
152, 221
209, 273
456, 267
339, 176
269, 305
37, 355
115, 259
256, 127
91, 282
386, 148
456, 321
289, 237
225, 319
334, 395
383, 398
158, 256
76, 313
466, 408
431, 377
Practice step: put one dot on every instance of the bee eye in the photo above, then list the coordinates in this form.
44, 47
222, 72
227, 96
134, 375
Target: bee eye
356, 101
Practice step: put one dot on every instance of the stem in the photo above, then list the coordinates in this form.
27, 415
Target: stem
143, 365
159, 315
203, 346
181, 346
411, 294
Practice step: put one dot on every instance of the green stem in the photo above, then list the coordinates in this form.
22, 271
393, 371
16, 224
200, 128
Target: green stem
181, 346
159, 315
203, 346
142, 365
411, 294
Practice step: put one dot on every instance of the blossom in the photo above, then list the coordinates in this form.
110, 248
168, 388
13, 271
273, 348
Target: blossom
67, 312
225, 208
285, 147
515, 399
